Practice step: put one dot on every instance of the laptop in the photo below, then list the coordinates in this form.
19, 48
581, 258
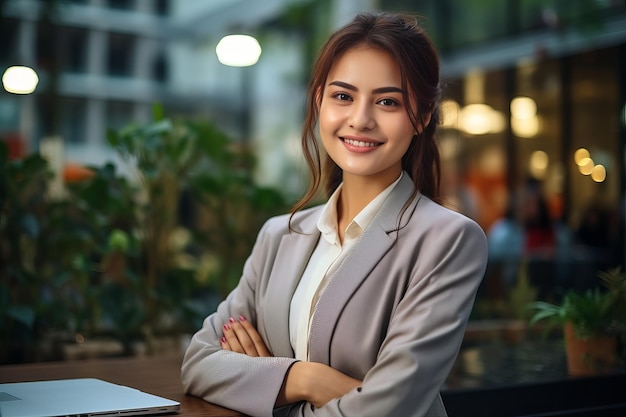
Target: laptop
85, 397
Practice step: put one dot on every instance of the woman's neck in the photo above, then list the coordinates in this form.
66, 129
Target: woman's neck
356, 193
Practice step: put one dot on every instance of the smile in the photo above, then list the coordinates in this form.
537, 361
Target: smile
360, 143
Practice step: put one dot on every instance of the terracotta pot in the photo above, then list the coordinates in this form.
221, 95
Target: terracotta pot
590, 356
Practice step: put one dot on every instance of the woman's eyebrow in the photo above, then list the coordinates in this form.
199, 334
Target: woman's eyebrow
379, 90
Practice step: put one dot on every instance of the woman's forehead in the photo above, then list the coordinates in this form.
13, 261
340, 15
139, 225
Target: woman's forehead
366, 65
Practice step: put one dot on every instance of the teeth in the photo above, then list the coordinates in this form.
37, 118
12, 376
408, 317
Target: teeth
360, 143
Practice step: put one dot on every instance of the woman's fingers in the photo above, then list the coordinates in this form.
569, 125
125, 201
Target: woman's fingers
225, 344
230, 341
255, 337
241, 337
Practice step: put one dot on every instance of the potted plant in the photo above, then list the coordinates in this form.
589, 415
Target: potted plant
592, 323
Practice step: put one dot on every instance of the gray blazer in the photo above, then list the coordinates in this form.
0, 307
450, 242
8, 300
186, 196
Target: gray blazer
393, 314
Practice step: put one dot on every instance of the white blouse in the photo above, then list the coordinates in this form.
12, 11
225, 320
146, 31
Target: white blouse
326, 257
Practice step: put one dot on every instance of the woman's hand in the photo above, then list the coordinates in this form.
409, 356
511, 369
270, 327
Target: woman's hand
241, 337
314, 382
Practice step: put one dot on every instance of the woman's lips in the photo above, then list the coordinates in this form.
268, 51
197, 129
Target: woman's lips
360, 142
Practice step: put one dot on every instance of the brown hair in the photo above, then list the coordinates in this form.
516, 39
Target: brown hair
401, 37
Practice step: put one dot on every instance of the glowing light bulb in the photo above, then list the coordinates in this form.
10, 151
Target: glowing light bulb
20, 80
238, 50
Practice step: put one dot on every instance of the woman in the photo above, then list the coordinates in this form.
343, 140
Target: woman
356, 307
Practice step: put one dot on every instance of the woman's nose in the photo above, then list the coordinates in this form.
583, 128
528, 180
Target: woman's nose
361, 117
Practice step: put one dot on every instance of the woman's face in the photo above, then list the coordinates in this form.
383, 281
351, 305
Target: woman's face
363, 121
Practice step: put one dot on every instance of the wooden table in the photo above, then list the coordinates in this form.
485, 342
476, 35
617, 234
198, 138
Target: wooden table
158, 375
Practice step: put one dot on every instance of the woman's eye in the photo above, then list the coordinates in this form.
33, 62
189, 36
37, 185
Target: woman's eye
388, 102
342, 97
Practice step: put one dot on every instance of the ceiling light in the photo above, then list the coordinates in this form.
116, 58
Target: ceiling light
20, 80
238, 50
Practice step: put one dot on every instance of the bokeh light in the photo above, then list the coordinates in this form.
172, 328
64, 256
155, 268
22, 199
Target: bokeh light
581, 154
539, 162
238, 50
20, 80
586, 166
598, 173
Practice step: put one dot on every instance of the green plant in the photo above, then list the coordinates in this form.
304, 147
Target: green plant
51, 252
186, 160
117, 257
596, 312
178, 159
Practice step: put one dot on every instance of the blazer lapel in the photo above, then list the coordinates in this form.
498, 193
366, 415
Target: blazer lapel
292, 257
375, 242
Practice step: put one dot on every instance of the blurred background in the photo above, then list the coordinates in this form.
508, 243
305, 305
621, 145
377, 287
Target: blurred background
138, 165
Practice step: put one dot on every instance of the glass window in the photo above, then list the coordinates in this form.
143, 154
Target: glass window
593, 158
473, 145
537, 196
47, 58
121, 4
549, 173
73, 49
47, 116
73, 120
162, 7
120, 54
160, 67
8, 34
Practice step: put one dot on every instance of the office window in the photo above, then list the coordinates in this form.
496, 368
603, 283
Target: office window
454, 24
160, 68
120, 54
536, 125
162, 7
73, 49
8, 34
595, 183
47, 115
473, 145
73, 120
47, 46
121, 4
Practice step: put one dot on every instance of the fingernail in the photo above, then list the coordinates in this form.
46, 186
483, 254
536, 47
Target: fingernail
223, 339
226, 326
232, 320
242, 318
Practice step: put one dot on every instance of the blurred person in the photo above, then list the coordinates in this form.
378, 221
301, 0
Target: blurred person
593, 230
544, 240
356, 307
540, 237
594, 244
506, 245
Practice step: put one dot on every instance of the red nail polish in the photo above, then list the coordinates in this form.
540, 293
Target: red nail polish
226, 327
242, 318
232, 320
223, 339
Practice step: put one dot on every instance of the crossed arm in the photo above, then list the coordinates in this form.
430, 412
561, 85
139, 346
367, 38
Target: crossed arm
314, 382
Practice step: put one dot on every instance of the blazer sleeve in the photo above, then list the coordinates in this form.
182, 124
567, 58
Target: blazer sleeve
426, 330
221, 376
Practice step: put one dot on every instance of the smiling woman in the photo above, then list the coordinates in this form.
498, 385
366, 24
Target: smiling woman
363, 123
357, 306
